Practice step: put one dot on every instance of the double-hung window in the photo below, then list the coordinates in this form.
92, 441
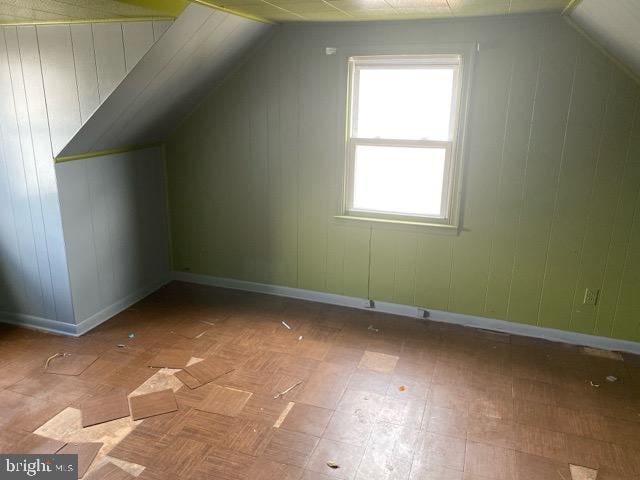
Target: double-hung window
402, 161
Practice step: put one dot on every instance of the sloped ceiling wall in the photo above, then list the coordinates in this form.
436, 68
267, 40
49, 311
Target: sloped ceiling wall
615, 25
177, 72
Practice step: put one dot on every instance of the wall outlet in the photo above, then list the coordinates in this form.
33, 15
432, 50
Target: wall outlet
590, 296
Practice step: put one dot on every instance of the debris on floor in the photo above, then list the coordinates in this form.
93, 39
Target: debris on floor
152, 404
283, 393
55, 355
612, 379
582, 473
283, 415
188, 379
598, 352
131, 335
333, 465
371, 328
300, 337
402, 388
285, 324
86, 452
72, 364
595, 385
121, 345
104, 408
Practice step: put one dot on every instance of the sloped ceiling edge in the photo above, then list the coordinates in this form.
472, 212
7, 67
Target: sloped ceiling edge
194, 54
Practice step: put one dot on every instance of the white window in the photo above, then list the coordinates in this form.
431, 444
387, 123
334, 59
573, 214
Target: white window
401, 146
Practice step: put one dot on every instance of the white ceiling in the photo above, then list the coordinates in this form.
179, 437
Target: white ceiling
614, 24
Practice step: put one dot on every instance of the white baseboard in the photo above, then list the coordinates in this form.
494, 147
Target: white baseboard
115, 308
38, 323
415, 312
75, 330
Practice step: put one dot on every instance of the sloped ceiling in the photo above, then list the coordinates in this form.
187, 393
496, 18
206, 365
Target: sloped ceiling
354, 10
614, 24
194, 54
69, 11
39, 11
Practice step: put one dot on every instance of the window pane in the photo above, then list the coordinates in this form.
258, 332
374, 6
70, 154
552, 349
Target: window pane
404, 103
402, 180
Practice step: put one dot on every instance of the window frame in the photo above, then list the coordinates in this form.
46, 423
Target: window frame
459, 57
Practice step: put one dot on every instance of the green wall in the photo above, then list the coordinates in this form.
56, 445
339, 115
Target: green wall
551, 188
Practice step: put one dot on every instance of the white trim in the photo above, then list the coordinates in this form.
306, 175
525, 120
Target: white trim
115, 308
69, 329
415, 312
38, 323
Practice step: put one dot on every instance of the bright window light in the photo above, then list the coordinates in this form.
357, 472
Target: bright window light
401, 180
403, 115
409, 103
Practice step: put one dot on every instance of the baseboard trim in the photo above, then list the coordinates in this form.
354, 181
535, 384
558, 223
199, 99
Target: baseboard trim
38, 323
115, 308
71, 330
416, 312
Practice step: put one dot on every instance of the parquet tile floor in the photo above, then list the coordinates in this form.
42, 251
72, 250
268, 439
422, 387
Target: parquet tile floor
381, 397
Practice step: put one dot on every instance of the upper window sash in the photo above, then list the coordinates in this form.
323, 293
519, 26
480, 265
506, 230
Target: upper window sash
430, 62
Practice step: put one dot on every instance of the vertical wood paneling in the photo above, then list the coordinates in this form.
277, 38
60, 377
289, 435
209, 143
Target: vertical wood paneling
621, 234
85, 69
433, 271
542, 219
115, 223
138, 38
557, 71
23, 180
316, 131
108, 45
48, 86
603, 200
60, 83
523, 85
159, 27
49, 207
490, 98
581, 144
14, 296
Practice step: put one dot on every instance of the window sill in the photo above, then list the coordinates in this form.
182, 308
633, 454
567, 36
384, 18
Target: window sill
450, 229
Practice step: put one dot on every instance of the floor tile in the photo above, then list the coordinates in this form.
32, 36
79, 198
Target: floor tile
290, 448
35, 444
208, 369
483, 460
346, 457
70, 364
170, 358
109, 471
307, 419
352, 428
86, 454
188, 379
150, 404
378, 362
439, 450
104, 408
180, 456
224, 401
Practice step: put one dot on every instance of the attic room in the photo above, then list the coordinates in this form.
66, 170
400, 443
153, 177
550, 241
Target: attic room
320, 239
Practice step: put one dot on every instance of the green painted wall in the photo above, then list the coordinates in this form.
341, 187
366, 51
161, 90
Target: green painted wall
551, 186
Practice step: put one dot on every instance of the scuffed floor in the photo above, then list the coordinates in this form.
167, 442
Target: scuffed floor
329, 393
